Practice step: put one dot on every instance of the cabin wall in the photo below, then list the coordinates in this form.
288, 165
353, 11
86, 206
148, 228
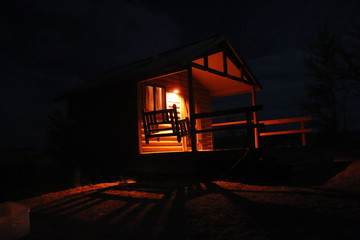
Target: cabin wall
164, 144
103, 125
202, 104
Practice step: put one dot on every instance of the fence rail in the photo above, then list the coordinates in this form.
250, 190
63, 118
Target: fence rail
249, 125
302, 129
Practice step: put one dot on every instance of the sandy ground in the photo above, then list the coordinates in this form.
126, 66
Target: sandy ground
184, 209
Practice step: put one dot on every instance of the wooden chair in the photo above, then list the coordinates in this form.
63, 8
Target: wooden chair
162, 123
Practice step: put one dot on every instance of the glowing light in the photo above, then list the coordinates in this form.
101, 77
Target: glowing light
173, 98
176, 91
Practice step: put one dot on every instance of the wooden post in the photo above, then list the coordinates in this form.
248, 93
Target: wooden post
192, 111
256, 132
249, 132
176, 123
145, 127
303, 139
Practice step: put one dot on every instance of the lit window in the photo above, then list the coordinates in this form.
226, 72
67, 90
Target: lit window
154, 98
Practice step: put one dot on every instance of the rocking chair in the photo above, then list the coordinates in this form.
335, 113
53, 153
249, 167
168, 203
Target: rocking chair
162, 123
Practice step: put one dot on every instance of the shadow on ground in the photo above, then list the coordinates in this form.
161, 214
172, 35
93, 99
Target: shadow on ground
178, 209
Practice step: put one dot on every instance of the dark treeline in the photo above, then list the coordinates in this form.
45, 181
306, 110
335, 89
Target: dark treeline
334, 81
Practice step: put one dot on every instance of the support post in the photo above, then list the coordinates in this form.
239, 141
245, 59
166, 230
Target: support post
249, 132
192, 111
303, 139
256, 132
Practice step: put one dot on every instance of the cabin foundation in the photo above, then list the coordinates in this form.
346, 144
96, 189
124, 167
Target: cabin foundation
204, 163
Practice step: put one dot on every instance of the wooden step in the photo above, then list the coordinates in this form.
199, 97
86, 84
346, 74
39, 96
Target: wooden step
161, 143
167, 138
148, 149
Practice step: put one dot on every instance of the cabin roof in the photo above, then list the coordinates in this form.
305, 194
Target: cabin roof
163, 63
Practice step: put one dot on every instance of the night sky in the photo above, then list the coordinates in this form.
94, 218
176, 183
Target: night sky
48, 47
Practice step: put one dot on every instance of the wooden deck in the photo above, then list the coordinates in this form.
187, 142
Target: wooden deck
201, 162
283, 161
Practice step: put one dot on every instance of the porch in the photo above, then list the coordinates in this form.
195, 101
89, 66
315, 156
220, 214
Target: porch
217, 73
193, 91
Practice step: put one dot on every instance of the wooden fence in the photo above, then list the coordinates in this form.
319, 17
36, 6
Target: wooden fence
248, 124
301, 131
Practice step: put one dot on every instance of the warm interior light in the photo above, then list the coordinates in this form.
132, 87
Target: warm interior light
173, 98
176, 91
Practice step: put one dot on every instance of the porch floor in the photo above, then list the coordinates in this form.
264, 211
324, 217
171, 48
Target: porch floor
282, 161
201, 162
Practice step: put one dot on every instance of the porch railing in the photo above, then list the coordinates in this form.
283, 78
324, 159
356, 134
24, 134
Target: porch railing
301, 131
248, 124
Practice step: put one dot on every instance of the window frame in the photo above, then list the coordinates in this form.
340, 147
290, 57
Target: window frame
153, 96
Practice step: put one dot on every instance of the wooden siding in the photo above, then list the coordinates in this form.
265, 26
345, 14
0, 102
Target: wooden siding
203, 103
163, 144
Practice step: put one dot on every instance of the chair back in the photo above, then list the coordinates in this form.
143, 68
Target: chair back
161, 123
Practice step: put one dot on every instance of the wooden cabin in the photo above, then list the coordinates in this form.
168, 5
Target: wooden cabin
107, 113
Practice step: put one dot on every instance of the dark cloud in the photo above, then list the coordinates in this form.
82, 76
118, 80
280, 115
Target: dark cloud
83, 38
